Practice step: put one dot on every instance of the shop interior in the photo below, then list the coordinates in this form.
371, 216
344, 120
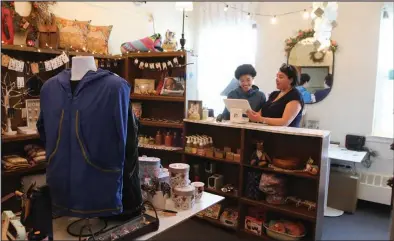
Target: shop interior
197, 120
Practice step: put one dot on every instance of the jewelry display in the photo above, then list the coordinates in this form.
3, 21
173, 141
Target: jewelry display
299, 202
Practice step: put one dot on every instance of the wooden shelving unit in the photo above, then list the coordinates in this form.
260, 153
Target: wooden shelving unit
212, 158
22, 172
216, 223
162, 124
157, 98
18, 137
279, 142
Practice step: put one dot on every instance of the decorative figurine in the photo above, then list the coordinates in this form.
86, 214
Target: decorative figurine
310, 168
170, 43
260, 157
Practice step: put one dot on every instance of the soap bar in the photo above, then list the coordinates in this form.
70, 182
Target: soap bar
229, 156
237, 157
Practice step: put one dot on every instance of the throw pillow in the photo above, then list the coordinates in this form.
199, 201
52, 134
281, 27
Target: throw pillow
98, 39
72, 33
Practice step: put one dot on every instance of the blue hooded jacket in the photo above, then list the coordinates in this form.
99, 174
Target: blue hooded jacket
255, 97
85, 137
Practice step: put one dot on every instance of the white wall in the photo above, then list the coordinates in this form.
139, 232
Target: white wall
130, 22
349, 106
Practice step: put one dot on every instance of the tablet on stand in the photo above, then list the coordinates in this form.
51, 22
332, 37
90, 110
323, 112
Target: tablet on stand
237, 107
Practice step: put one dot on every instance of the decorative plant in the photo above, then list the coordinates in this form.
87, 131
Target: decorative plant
303, 34
154, 186
9, 91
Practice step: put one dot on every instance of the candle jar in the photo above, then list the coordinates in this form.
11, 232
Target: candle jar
179, 174
184, 197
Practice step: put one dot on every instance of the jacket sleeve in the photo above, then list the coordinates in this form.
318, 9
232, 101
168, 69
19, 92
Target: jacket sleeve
40, 127
226, 113
121, 107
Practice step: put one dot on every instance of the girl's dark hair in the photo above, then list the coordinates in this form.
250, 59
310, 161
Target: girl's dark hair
245, 69
305, 78
291, 72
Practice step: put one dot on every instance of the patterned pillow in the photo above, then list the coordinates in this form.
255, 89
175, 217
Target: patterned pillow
72, 33
98, 39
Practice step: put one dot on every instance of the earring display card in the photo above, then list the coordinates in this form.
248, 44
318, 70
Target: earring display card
32, 112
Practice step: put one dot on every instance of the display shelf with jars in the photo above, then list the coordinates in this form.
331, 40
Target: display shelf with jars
279, 183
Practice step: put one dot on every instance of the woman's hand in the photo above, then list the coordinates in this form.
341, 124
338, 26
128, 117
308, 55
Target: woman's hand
254, 116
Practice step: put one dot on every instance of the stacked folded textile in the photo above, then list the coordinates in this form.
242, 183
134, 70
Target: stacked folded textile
35, 154
14, 162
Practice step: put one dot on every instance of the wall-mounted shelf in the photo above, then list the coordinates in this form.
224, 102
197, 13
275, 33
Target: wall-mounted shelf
19, 137
157, 98
161, 124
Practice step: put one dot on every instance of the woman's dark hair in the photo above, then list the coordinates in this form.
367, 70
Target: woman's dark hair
291, 72
304, 78
245, 69
328, 80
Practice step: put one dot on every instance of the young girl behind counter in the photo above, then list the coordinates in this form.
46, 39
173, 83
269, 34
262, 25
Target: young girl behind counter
245, 75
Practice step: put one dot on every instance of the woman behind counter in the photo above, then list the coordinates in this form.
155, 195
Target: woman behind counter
245, 75
284, 107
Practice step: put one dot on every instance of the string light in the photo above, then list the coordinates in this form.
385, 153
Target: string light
274, 20
38, 50
305, 15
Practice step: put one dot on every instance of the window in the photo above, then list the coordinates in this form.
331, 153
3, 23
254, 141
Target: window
384, 94
225, 41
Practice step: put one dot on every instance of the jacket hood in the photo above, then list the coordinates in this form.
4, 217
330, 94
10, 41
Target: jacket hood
251, 92
64, 77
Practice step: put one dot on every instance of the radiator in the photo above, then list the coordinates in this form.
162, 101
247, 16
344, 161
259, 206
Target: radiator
373, 188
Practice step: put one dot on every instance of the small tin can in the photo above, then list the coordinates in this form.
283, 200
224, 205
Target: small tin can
184, 197
179, 175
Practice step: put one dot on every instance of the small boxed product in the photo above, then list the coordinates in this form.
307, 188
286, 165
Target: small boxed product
226, 149
213, 211
229, 156
237, 157
229, 217
219, 154
253, 225
209, 152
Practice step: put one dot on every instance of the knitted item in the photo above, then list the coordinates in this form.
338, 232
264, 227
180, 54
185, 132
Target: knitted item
252, 186
152, 43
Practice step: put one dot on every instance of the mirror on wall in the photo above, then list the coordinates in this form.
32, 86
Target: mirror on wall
316, 68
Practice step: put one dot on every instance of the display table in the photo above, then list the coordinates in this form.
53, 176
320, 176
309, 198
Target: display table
207, 200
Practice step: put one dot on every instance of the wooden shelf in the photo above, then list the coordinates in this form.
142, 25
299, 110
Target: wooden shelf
262, 236
288, 209
215, 222
18, 137
157, 54
31, 49
57, 51
25, 171
161, 148
218, 192
297, 174
213, 158
161, 124
158, 98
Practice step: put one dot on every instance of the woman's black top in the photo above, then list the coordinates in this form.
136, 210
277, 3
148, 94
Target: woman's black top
275, 109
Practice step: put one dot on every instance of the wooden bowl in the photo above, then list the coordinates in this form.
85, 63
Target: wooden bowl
288, 163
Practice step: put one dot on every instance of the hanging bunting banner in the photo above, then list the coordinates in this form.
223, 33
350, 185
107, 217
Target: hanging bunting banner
34, 67
157, 66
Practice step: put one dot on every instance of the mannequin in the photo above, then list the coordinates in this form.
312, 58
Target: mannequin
81, 65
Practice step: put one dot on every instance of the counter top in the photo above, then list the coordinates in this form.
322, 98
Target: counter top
262, 127
166, 222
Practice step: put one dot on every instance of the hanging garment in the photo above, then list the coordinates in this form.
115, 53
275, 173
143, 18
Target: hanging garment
85, 134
